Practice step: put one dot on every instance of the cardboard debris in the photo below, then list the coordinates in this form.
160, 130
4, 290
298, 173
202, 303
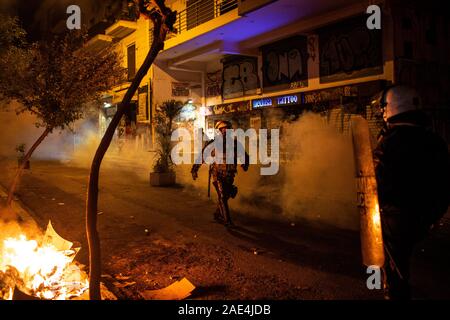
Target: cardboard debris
179, 290
52, 238
22, 296
105, 293
124, 285
120, 277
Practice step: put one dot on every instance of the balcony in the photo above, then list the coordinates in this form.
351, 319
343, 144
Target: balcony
99, 42
201, 11
121, 29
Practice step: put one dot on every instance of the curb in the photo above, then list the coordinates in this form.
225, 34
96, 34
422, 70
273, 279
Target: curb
25, 213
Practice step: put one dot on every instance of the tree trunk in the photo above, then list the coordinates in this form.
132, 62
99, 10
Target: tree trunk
23, 164
161, 27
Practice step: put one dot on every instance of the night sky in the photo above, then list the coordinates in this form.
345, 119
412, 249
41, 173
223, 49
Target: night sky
40, 16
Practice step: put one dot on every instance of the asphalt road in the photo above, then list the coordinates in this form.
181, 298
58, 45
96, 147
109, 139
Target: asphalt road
153, 236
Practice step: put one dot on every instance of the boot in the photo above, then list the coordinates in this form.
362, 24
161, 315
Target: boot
218, 216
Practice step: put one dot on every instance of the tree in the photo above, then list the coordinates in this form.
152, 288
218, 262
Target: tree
11, 33
55, 81
12, 43
166, 114
163, 20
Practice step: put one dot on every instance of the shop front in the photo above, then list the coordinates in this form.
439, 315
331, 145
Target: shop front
351, 99
337, 104
239, 114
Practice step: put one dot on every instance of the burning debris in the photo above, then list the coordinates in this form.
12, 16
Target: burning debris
43, 269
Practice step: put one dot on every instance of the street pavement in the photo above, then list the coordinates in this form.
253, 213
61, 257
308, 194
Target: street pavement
152, 237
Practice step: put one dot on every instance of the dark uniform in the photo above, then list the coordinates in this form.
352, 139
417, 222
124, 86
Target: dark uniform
222, 175
412, 170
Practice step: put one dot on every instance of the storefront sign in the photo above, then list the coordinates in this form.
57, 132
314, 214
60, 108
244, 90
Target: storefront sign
267, 102
180, 89
279, 101
231, 107
332, 94
287, 100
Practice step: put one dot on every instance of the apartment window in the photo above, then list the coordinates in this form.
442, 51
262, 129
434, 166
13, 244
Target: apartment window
131, 58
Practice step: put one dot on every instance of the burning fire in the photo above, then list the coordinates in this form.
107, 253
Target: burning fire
44, 270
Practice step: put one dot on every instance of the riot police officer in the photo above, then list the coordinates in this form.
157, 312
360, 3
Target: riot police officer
412, 171
223, 173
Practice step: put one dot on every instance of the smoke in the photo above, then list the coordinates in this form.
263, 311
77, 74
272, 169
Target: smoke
315, 183
21, 129
125, 154
319, 183
13, 229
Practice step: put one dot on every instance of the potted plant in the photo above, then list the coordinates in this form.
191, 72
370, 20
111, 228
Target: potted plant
163, 173
20, 149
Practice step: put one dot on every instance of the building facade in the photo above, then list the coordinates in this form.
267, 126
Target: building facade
131, 37
259, 63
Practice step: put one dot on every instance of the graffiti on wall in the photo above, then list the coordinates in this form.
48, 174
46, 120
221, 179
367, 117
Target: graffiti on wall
214, 83
239, 77
421, 39
285, 64
231, 108
349, 50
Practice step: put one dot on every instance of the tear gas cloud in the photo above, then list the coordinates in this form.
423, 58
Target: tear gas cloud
74, 148
316, 183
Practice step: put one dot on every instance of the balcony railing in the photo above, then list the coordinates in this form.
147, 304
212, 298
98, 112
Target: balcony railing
201, 11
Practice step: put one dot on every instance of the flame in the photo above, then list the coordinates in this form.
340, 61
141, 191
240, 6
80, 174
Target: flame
376, 218
46, 272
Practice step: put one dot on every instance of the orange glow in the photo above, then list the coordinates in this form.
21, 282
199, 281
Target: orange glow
46, 272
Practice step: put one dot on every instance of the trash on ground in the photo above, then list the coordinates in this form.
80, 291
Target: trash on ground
177, 291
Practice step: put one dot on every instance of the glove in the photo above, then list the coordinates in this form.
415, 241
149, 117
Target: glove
244, 167
194, 175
